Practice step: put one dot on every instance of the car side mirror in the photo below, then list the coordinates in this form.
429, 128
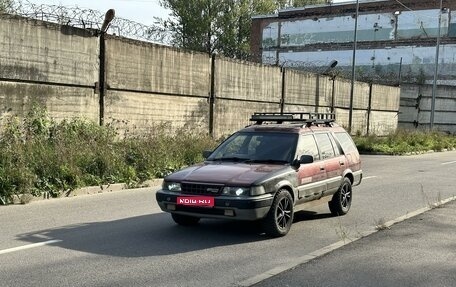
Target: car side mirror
304, 159
206, 153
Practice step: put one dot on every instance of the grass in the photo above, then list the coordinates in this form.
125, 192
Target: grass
406, 142
39, 155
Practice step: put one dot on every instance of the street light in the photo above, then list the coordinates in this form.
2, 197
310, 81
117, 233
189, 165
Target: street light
330, 67
355, 38
102, 87
109, 16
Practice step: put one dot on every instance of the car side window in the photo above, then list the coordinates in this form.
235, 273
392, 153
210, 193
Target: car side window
337, 148
325, 146
308, 146
345, 141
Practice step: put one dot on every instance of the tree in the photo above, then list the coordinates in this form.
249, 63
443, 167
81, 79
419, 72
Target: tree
4, 4
235, 39
218, 26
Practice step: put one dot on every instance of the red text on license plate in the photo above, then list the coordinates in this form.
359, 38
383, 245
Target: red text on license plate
201, 201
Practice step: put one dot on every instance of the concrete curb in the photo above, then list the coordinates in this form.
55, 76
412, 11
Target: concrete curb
327, 249
110, 188
89, 190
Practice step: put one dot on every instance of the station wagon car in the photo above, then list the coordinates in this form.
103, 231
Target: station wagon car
267, 171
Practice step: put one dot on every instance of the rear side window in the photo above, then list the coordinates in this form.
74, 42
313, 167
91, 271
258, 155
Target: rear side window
307, 146
325, 145
346, 142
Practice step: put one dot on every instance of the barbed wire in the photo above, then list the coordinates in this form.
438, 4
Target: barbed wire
363, 73
87, 19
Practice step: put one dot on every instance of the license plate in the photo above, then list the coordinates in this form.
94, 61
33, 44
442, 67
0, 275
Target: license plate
199, 201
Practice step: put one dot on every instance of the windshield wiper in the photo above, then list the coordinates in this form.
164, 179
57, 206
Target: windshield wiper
267, 161
233, 158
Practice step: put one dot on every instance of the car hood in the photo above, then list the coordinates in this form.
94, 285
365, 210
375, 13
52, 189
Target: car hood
227, 173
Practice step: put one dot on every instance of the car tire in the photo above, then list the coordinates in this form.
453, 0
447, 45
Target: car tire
185, 220
341, 201
278, 221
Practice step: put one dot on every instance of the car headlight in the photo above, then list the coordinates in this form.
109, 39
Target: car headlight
235, 191
171, 186
243, 191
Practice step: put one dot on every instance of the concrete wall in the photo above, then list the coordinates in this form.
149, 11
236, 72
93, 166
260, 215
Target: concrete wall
44, 63
241, 89
416, 103
305, 91
375, 107
146, 67
62, 102
384, 105
148, 84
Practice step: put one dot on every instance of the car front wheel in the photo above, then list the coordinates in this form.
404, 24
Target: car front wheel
278, 221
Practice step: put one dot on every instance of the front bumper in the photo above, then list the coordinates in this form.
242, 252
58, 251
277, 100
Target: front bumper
225, 207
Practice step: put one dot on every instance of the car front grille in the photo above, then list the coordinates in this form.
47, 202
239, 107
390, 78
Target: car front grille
201, 189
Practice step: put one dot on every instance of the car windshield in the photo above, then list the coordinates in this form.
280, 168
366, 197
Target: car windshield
268, 147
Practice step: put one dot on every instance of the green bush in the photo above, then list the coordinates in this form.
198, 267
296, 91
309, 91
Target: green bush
40, 155
404, 142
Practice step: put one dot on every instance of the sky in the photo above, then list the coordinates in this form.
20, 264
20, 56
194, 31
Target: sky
141, 11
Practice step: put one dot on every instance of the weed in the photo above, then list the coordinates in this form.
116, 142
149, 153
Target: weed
380, 224
437, 203
39, 155
342, 232
25, 198
426, 200
439, 200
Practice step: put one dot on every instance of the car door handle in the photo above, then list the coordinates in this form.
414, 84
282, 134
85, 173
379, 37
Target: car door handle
322, 168
341, 163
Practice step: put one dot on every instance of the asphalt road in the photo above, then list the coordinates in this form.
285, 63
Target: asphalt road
419, 252
123, 239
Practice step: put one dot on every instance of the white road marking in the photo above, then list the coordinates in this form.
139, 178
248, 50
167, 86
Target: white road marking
369, 177
28, 246
449, 162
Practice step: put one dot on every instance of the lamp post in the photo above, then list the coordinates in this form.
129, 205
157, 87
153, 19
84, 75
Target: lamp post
352, 89
102, 87
434, 86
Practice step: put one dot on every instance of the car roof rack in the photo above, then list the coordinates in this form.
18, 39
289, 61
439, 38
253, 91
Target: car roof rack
307, 118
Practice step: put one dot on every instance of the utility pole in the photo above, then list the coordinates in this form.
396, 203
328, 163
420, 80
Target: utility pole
434, 86
355, 39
